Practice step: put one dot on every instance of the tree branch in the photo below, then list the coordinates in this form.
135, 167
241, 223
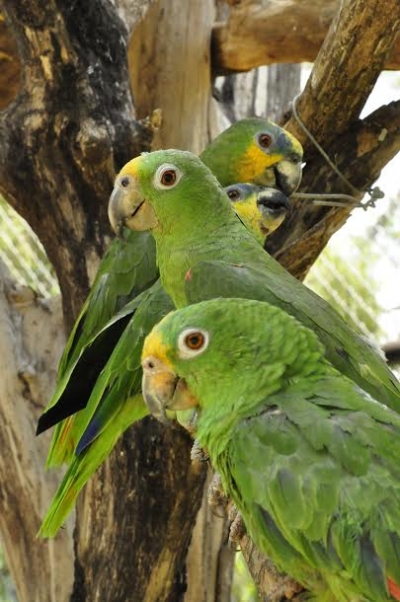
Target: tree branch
254, 34
360, 154
330, 106
261, 33
350, 61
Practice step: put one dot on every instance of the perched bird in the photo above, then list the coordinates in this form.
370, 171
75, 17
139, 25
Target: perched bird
116, 401
112, 353
204, 251
261, 209
251, 150
311, 461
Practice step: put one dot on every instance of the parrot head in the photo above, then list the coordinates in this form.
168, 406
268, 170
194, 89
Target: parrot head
252, 150
257, 151
154, 188
261, 209
215, 345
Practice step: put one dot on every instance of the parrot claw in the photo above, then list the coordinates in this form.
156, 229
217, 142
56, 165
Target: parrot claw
286, 590
216, 497
198, 454
237, 529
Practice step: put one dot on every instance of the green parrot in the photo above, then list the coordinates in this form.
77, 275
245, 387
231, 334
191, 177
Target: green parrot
251, 150
204, 251
116, 401
311, 461
262, 210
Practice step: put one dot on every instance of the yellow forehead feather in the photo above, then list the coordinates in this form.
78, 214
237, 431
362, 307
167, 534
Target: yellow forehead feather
155, 347
131, 168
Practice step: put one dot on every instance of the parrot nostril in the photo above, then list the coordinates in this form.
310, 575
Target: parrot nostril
125, 182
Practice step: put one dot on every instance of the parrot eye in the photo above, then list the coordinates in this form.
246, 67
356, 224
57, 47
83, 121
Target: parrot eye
167, 176
192, 342
233, 194
264, 140
125, 182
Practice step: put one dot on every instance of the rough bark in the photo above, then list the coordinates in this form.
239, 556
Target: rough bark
253, 34
260, 33
169, 67
136, 519
272, 586
360, 154
10, 66
348, 65
71, 127
330, 107
31, 341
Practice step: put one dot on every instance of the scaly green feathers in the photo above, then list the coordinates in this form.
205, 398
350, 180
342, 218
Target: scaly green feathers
203, 252
310, 460
100, 371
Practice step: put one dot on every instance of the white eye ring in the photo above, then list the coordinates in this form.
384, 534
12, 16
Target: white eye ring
187, 352
160, 174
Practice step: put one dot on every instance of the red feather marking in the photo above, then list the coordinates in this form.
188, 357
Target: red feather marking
394, 589
188, 275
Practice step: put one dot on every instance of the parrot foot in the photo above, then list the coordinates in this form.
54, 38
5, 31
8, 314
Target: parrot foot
198, 454
237, 529
222, 506
286, 590
216, 497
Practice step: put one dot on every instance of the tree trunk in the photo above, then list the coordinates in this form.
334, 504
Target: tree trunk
31, 341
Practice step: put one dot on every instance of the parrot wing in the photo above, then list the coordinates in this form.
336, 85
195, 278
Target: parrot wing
116, 403
317, 478
79, 471
118, 382
80, 376
128, 268
346, 350
70, 411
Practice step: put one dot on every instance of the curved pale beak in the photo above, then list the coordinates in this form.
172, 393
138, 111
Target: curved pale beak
163, 390
288, 174
127, 206
273, 206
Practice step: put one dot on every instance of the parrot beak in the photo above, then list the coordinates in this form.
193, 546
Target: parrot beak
128, 207
274, 207
163, 390
288, 174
